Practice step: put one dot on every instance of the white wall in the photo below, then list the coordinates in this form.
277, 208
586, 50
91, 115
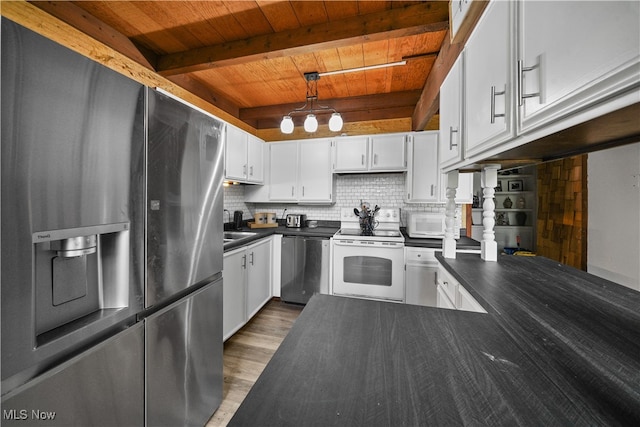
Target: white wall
613, 235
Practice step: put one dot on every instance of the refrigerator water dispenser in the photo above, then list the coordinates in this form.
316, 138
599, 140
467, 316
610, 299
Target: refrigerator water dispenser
80, 276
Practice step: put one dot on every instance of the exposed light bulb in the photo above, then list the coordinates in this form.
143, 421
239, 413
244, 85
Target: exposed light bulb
311, 123
286, 125
335, 122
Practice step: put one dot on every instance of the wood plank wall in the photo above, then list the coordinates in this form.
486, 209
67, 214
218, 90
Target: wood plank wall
562, 211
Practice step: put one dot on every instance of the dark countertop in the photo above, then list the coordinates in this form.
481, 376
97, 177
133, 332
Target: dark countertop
582, 331
329, 228
323, 230
464, 243
557, 347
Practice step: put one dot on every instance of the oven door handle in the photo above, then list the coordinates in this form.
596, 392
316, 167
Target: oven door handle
343, 243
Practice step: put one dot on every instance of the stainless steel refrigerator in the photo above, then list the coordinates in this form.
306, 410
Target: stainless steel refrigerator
72, 250
184, 263
111, 254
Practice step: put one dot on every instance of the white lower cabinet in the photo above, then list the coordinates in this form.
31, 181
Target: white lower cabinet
452, 295
443, 300
420, 276
234, 292
247, 284
468, 303
258, 276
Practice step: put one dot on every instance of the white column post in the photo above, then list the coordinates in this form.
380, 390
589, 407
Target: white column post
449, 241
488, 245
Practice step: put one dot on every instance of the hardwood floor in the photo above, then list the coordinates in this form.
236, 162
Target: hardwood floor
248, 352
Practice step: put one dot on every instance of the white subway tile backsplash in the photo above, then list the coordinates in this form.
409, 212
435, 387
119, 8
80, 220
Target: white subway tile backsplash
385, 189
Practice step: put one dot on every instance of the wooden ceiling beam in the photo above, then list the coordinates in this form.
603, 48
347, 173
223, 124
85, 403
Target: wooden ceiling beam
87, 43
429, 102
97, 29
410, 20
92, 26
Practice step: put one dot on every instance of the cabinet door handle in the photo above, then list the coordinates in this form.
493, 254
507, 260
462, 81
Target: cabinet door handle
375, 159
251, 258
432, 189
292, 190
521, 70
362, 161
244, 169
493, 103
303, 191
244, 261
251, 171
452, 130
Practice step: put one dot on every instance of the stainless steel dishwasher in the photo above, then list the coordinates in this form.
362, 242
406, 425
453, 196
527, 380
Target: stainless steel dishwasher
305, 268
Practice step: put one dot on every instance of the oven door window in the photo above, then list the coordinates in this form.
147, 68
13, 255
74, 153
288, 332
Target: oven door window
368, 270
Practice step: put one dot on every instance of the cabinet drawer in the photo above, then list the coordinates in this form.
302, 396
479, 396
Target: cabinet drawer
419, 256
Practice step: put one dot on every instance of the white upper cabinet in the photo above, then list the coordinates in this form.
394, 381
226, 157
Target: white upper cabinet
388, 152
296, 172
283, 175
572, 55
451, 122
351, 154
488, 80
423, 173
378, 153
315, 183
255, 156
244, 156
534, 68
458, 11
235, 153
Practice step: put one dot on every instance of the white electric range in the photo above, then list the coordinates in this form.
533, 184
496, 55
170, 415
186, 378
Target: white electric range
369, 265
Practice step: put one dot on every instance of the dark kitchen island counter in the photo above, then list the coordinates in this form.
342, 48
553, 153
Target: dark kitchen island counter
557, 347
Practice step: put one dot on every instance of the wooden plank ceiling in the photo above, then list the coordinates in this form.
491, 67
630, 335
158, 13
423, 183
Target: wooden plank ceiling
249, 57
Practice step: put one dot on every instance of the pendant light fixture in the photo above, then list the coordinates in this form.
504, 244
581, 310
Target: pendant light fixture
311, 122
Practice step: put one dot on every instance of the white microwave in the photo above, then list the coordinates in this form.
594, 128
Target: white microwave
429, 225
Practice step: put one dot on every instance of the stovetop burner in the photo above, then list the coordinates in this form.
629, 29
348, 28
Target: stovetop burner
375, 233
387, 227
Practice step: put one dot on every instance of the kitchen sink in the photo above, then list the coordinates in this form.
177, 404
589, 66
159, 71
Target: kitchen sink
237, 235
234, 236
